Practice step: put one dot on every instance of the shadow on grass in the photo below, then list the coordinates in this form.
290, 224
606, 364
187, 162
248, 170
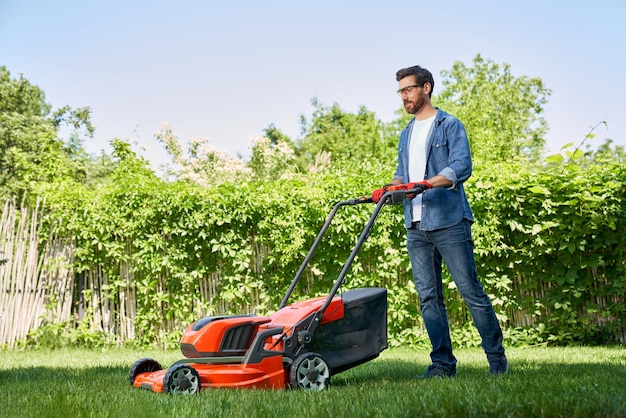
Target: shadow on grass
379, 388
371, 373
386, 370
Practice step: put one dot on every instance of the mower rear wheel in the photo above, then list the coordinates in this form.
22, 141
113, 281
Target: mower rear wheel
181, 378
309, 372
142, 366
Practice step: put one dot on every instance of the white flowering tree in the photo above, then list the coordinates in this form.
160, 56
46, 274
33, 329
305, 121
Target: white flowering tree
272, 159
202, 164
205, 165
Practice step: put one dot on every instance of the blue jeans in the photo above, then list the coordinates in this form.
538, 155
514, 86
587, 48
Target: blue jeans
455, 246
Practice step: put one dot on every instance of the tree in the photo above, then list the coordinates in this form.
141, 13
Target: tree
30, 148
272, 158
344, 135
502, 113
201, 163
275, 135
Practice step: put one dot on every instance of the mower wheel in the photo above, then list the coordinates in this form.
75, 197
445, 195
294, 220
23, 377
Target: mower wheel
142, 366
181, 378
309, 372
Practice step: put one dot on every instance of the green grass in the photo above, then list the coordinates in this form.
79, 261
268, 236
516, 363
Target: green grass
543, 382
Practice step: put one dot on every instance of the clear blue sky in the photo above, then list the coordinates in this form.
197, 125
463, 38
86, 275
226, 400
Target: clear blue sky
225, 70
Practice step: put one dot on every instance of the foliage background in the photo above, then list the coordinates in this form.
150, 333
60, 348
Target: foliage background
218, 235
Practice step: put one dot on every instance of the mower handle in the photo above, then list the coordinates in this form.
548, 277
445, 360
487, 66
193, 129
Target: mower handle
316, 243
395, 196
392, 196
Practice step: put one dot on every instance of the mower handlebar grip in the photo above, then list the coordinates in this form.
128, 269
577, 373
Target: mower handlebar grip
357, 201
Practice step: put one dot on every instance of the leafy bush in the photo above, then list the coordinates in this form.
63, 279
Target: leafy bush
549, 246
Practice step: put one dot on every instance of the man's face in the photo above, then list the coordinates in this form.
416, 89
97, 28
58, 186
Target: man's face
414, 97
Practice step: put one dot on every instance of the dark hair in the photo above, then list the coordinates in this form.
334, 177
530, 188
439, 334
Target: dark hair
422, 76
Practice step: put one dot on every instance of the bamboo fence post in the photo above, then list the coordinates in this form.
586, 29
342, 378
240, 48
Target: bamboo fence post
29, 278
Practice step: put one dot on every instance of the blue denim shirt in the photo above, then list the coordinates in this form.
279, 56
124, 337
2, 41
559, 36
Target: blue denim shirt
447, 154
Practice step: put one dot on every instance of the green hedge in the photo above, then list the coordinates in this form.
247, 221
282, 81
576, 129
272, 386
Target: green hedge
549, 243
551, 247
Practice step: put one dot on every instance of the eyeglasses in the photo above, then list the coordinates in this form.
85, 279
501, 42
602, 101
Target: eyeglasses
407, 89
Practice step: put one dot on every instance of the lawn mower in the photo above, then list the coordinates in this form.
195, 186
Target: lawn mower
300, 346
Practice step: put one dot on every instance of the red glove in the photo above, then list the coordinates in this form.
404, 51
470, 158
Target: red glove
420, 185
378, 193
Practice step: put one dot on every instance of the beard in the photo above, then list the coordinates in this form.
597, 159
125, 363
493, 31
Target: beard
413, 107
409, 106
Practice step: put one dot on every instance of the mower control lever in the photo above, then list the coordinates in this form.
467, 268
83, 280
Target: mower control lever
394, 197
396, 194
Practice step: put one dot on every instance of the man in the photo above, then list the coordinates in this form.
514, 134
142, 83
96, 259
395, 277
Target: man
434, 156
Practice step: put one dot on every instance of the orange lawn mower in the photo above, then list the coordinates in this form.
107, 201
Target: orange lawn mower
300, 346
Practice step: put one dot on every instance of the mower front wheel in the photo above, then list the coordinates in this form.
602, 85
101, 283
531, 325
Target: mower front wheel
181, 378
142, 366
309, 372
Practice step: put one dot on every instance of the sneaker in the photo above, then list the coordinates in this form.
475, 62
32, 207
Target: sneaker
500, 366
435, 371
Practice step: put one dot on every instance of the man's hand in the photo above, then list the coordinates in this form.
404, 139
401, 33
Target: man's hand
420, 186
378, 193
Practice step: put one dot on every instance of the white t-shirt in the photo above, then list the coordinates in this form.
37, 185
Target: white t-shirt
417, 159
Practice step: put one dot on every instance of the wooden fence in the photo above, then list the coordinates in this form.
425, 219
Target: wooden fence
38, 285
35, 279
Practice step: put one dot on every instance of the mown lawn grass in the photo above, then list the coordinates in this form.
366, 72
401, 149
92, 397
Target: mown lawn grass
543, 382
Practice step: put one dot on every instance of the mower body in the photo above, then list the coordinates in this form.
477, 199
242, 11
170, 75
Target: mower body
259, 352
